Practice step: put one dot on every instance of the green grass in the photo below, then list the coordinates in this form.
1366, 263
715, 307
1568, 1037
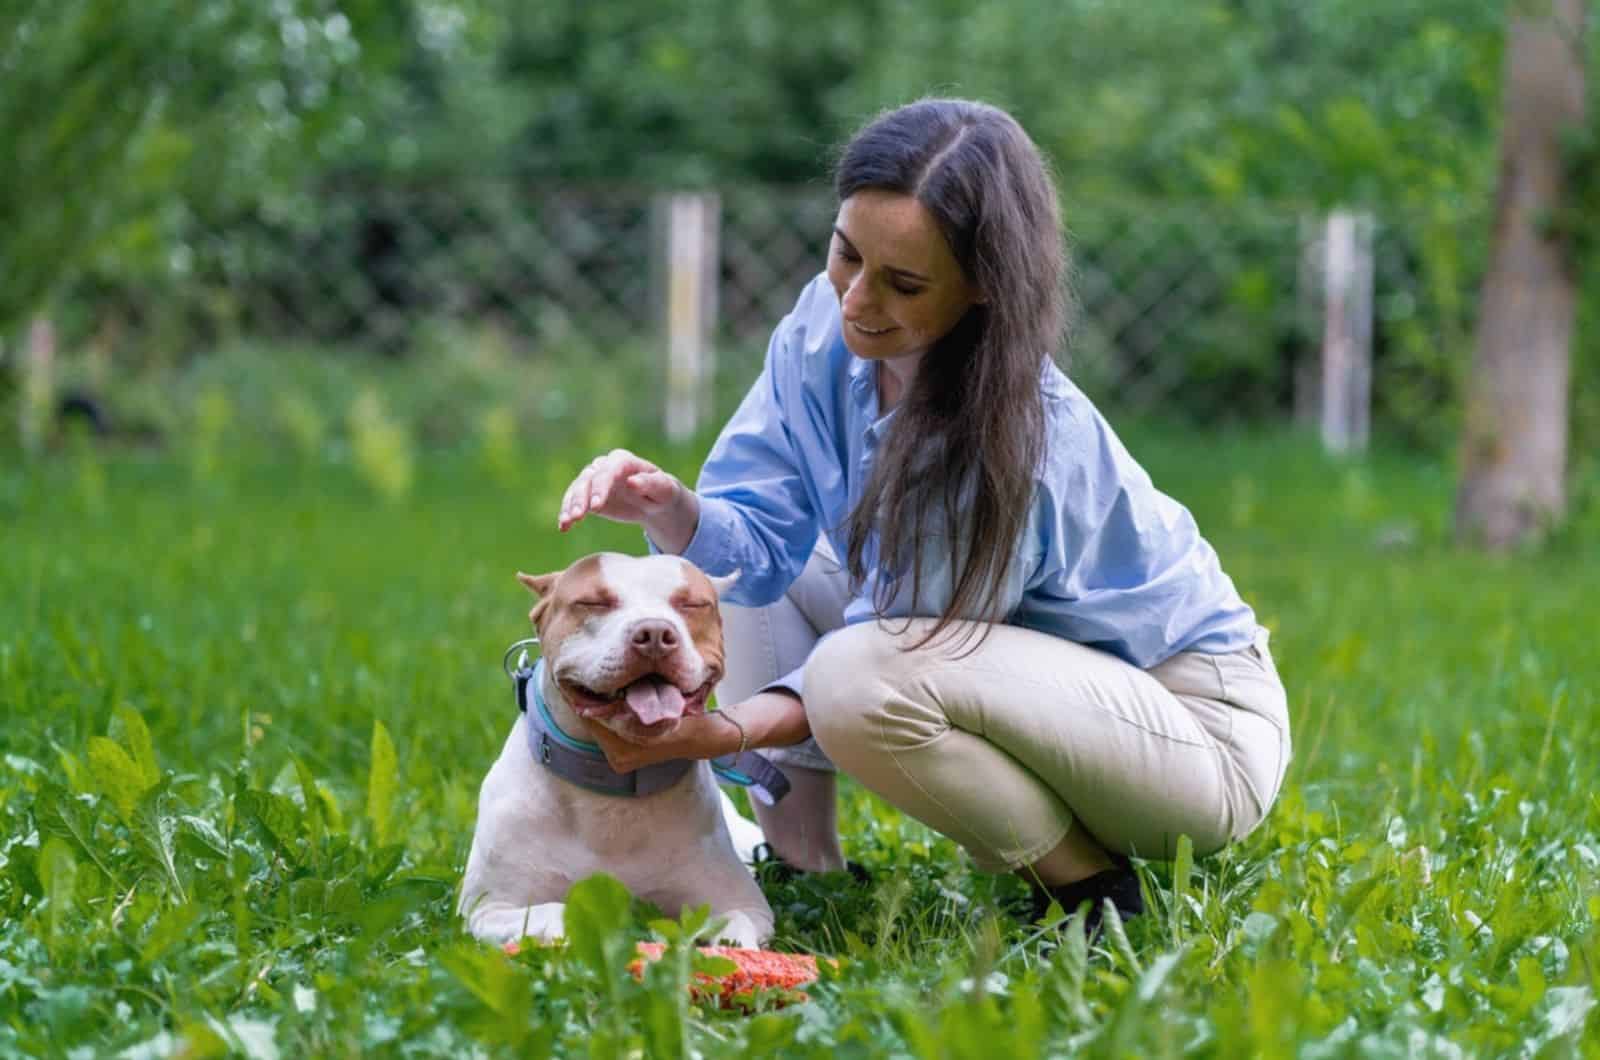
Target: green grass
247, 706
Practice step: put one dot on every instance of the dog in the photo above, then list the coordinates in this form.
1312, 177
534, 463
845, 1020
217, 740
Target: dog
634, 644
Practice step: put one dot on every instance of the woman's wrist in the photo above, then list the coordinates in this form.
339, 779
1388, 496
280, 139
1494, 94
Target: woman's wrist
773, 718
673, 527
712, 736
728, 716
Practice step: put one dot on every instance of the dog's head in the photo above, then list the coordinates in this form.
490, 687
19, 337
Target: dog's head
632, 642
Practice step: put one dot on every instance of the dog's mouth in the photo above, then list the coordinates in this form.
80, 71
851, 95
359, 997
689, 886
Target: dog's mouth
653, 700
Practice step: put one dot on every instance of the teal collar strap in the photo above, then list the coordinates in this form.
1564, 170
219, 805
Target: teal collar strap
580, 761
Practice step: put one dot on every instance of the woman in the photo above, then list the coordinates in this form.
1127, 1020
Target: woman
1025, 645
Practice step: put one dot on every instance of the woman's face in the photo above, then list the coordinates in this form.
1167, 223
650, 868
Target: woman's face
900, 288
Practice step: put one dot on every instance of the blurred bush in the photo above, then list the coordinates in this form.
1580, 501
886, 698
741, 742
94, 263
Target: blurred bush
458, 389
234, 161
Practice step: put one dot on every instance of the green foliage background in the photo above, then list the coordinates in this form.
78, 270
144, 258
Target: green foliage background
194, 137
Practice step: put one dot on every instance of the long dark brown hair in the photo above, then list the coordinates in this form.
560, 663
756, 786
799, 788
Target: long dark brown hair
961, 458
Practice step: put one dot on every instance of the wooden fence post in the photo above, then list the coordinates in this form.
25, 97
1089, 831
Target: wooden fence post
38, 384
1337, 392
690, 267
1308, 323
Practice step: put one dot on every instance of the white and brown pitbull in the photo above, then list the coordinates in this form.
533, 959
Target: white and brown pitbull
634, 644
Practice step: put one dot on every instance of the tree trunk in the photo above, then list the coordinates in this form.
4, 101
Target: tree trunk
1514, 445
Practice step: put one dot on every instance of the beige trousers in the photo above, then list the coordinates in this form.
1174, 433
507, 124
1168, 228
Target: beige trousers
1004, 749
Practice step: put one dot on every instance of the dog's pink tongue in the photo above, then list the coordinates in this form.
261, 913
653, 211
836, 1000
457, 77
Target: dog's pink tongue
653, 699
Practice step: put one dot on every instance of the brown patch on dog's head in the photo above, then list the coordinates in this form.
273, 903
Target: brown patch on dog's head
579, 588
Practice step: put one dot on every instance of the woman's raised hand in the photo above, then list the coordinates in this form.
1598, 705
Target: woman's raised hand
629, 489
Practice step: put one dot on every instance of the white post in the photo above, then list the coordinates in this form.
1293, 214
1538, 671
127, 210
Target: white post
1308, 322
38, 384
691, 309
1346, 383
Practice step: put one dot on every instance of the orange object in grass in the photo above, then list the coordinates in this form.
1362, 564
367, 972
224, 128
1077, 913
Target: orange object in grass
780, 975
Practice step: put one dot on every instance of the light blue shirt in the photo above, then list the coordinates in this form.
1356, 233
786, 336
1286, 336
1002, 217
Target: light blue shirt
1105, 560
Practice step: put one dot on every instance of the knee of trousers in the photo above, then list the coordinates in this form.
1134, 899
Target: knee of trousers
862, 696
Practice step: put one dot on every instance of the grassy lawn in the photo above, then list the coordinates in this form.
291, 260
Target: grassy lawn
247, 706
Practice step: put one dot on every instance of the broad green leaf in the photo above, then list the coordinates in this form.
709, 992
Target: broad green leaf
1073, 957
343, 899
711, 964
694, 920
198, 838
1126, 1023
662, 1016
769, 1034
153, 833
381, 779
595, 918
128, 728
667, 929
1155, 977
170, 928
381, 864
79, 780
485, 972
58, 813
1111, 922
1531, 984
277, 818
202, 1040
117, 776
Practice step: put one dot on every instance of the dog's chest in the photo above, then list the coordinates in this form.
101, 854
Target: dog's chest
579, 827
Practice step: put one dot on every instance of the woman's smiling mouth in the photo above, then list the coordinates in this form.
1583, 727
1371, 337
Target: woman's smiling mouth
870, 331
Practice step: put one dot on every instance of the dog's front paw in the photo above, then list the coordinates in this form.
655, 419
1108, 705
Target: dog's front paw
740, 931
504, 923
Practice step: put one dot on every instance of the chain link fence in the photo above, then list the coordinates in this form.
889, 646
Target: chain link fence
1178, 309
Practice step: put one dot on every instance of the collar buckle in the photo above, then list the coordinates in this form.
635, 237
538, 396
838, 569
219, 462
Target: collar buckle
522, 660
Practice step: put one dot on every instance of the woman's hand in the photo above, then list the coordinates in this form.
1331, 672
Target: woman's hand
696, 736
630, 489
775, 718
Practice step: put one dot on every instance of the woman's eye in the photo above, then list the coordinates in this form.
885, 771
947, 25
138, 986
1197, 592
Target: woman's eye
847, 255
909, 292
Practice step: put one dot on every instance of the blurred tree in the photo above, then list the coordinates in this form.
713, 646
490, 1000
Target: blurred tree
204, 138
118, 118
1514, 446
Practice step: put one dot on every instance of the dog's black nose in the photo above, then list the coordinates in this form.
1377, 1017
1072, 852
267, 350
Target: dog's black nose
654, 637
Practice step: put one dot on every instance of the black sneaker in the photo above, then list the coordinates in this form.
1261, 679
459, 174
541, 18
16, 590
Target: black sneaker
770, 867
1120, 884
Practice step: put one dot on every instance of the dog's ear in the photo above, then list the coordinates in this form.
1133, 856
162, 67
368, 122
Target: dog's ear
724, 583
539, 584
